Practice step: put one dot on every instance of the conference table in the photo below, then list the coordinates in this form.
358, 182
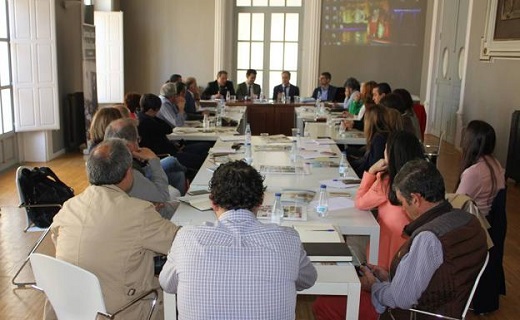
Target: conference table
332, 279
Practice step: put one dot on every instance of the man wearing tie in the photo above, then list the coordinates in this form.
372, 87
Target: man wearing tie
246, 90
325, 92
219, 88
286, 88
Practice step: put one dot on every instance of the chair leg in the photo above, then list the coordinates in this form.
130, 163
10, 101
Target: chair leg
29, 284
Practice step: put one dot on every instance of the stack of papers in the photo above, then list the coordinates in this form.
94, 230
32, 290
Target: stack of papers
201, 202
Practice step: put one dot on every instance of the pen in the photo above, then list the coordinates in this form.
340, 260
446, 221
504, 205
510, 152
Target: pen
328, 230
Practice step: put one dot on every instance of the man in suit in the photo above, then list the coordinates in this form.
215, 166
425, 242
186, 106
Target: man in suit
248, 89
111, 234
192, 98
219, 88
288, 89
326, 91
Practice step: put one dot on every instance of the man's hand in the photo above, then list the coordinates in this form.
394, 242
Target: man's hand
379, 272
379, 166
367, 280
144, 154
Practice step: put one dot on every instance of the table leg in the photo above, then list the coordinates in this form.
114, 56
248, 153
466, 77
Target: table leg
354, 292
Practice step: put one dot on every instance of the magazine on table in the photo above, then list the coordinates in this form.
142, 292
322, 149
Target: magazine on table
292, 211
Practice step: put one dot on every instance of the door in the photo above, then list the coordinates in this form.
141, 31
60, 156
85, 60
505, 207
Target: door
109, 56
450, 65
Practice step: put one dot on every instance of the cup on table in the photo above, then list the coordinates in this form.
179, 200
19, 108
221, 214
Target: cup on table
295, 132
297, 99
233, 98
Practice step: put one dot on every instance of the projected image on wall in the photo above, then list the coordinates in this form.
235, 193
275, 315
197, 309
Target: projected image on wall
372, 22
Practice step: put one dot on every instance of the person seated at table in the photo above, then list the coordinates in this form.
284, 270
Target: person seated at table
192, 98
326, 91
482, 178
153, 132
219, 88
408, 112
410, 121
173, 103
379, 122
353, 100
248, 89
100, 121
237, 267
286, 87
132, 103
375, 191
105, 231
379, 91
151, 182
174, 78
443, 244
366, 97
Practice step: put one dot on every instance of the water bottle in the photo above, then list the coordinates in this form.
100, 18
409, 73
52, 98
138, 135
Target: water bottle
282, 97
228, 96
294, 150
343, 165
205, 123
248, 133
248, 156
317, 107
277, 210
218, 113
298, 140
261, 97
323, 202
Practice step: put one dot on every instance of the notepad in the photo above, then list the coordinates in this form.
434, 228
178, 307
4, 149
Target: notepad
324, 251
201, 202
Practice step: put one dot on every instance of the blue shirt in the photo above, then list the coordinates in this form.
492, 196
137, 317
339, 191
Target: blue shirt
170, 113
237, 268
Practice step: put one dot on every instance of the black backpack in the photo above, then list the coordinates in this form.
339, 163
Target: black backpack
41, 186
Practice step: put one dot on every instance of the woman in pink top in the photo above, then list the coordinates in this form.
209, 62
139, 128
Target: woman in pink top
482, 176
375, 192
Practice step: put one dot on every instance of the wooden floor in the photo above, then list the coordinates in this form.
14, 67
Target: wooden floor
28, 303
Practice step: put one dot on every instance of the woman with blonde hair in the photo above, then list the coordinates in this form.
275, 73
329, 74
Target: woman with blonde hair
100, 122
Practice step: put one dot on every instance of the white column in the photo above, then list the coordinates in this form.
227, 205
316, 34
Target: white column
310, 47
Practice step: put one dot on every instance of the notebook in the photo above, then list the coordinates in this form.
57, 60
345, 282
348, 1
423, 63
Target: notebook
328, 251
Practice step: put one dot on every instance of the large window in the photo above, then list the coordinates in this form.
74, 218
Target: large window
6, 105
268, 34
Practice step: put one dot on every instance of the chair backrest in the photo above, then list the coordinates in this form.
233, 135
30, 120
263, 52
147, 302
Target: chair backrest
21, 197
420, 112
468, 302
73, 292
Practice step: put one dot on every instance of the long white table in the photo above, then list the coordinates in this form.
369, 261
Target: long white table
332, 279
193, 131
322, 129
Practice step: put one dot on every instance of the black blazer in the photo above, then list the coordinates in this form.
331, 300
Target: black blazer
213, 88
293, 91
331, 96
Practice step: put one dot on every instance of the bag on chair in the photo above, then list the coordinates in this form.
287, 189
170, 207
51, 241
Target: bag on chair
41, 186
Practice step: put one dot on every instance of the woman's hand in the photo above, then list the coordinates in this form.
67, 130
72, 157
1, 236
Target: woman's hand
379, 166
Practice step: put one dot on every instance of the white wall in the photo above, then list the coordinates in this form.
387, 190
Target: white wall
165, 38
491, 87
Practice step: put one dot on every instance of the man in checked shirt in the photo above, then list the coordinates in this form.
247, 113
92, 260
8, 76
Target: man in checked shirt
237, 267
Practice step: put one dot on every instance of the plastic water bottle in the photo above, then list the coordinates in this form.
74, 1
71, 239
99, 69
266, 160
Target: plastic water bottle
248, 134
294, 150
218, 113
261, 97
277, 210
248, 157
322, 207
205, 123
317, 108
228, 96
282, 97
343, 165
298, 140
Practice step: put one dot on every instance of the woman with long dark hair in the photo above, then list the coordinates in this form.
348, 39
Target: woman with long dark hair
482, 176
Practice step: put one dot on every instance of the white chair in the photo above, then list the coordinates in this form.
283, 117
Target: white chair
466, 307
432, 151
75, 293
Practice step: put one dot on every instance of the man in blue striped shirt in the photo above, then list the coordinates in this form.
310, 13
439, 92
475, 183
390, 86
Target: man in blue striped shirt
237, 267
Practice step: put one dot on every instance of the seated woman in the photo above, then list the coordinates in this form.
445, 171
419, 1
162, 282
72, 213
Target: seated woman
99, 123
409, 113
376, 191
410, 122
482, 178
379, 122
